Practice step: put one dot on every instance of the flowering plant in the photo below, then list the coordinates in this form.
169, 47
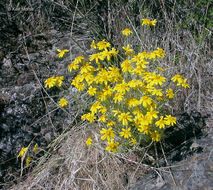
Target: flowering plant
129, 94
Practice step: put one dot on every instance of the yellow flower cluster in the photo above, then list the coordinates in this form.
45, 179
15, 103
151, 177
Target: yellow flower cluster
23, 152
129, 95
53, 81
148, 22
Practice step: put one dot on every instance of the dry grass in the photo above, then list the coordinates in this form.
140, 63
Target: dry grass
75, 166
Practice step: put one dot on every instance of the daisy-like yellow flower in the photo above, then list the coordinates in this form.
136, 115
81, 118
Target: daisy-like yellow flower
106, 54
133, 141
170, 93
160, 123
59, 80
126, 32
127, 50
107, 133
73, 66
89, 142
158, 80
146, 101
102, 109
124, 118
89, 117
156, 136
94, 108
110, 123
96, 57
126, 133
50, 82
61, 52
169, 120
177, 78
22, 152
102, 118
93, 45
112, 146
144, 129
126, 66
114, 52
103, 45
122, 87
132, 102
157, 92
116, 112
63, 102
183, 83
91, 91
152, 114
148, 22
118, 97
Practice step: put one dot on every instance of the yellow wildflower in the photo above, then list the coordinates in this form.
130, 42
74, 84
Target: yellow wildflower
50, 82
110, 123
152, 114
96, 57
122, 87
114, 52
148, 22
170, 93
102, 118
144, 129
108, 133
103, 45
28, 160
89, 117
63, 102
22, 152
155, 136
59, 80
118, 97
126, 32
126, 133
78, 59
124, 118
146, 101
91, 91
126, 66
127, 50
73, 66
94, 108
102, 109
133, 141
183, 83
132, 102
112, 147
160, 123
169, 120
89, 142
93, 45
177, 78
106, 54
116, 112
61, 52
35, 148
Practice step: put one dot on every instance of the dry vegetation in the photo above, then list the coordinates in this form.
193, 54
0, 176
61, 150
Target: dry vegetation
69, 164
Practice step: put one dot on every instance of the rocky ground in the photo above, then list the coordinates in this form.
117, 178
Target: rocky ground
29, 112
189, 164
